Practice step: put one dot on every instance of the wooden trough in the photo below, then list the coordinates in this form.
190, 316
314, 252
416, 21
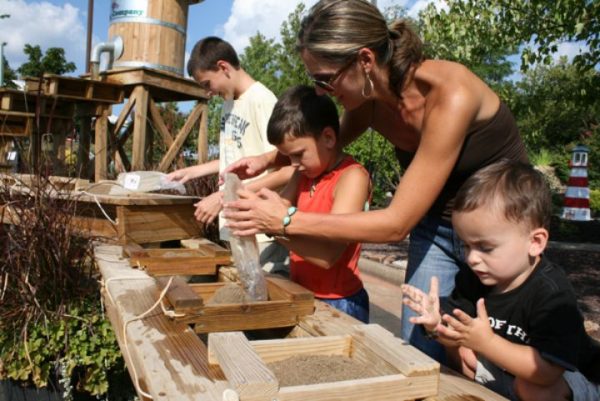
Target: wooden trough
203, 260
401, 372
171, 362
288, 302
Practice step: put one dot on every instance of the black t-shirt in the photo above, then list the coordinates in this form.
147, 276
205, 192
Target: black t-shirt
542, 313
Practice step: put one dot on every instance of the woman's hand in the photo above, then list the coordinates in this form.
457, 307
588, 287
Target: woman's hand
260, 212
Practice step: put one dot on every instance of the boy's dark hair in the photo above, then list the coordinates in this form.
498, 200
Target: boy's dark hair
301, 112
208, 51
515, 187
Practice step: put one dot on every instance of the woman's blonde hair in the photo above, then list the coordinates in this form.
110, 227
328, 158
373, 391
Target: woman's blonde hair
335, 30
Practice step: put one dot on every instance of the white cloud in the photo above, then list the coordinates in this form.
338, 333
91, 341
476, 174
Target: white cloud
44, 24
266, 16
251, 16
570, 50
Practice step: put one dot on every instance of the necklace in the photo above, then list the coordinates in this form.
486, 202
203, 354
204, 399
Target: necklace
315, 181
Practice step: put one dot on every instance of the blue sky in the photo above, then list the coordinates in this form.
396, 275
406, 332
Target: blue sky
62, 23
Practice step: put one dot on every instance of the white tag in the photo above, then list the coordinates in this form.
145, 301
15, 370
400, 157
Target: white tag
132, 182
11, 156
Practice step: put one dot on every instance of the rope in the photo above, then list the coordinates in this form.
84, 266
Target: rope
139, 317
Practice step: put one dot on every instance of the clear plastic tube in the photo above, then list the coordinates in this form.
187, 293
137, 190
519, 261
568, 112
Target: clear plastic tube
245, 251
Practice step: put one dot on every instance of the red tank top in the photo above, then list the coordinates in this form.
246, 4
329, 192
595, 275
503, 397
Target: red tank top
342, 279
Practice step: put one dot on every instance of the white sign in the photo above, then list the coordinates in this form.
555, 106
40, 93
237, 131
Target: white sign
12, 156
128, 9
132, 182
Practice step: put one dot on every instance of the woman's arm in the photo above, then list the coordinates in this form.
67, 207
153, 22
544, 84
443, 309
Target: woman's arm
351, 193
446, 120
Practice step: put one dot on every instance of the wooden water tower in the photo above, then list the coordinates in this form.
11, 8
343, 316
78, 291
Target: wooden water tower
153, 33
151, 69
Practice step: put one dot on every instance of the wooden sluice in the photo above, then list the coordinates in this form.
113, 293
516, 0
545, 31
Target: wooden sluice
170, 361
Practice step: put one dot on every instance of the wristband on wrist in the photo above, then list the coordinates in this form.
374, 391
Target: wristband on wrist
287, 219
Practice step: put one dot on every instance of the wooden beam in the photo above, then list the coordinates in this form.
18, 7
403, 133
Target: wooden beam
160, 125
199, 110
124, 113
101, 145
244, 369
404, 357
179, 294
139, 128
203, 138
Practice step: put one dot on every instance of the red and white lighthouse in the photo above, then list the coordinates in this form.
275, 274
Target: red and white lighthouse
577, 196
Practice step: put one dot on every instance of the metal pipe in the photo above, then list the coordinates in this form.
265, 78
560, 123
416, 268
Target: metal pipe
114, 49
90, 27
2, 63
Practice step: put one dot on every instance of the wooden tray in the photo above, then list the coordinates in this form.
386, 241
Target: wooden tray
179, 261
287, 303
403, 373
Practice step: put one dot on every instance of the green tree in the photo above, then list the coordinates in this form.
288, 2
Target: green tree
474, 28
260, 61
9, 75
558, 106
52, 62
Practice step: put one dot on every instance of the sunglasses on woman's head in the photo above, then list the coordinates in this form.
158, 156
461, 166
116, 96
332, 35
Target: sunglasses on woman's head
326, 81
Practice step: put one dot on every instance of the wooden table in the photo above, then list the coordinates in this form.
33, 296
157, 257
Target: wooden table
171, 361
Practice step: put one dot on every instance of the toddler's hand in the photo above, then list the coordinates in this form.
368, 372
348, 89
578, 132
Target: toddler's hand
426, 305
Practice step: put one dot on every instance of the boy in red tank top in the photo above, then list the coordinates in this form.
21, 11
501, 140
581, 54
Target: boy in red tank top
304, 126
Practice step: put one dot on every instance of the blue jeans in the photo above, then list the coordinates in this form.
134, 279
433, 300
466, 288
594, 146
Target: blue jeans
356, 305
434, 250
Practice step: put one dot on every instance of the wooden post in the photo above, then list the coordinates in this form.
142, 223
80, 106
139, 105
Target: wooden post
101, 143
203, 137
139, 127
83, 153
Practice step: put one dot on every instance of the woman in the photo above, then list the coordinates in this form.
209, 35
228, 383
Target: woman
443, 120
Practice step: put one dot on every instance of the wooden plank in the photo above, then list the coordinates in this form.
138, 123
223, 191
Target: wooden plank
159, 124
382, 388
101, 145
138, 161
160, 262
76, 89
282, 288
404, 357
145, 224
249, 316
164, 86
15, 125
182, 136
276, 350
206, 246
455, 387
169, 358
179, 294
244, 369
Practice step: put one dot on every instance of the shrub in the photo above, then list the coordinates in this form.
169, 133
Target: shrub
595, 202
52, 327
